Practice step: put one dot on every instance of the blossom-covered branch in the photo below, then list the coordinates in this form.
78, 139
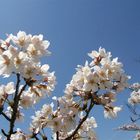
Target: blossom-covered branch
133, 103
95, 83
68, 117
20, 56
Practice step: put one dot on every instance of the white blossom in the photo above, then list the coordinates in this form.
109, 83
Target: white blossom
19, 135
137, 137
134, 97
111, 112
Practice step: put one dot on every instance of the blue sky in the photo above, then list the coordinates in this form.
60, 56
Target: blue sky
76, 27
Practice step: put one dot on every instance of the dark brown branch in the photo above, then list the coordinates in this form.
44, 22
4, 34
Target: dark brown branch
23, 88
81, 121
3, 132
133, 110
15, 106
57, 135
34, 136
5, 116
44, 138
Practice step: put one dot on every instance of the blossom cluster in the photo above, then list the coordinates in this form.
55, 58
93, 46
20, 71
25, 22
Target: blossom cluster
137, 137
95, 83
19, 135
135, 94
20, 56
102, 78
133, 103
131, 127
101, 74
6, 90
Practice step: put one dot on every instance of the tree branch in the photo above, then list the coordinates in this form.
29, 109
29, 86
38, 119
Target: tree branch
34, 136
81, 121
57, 135
15, 106
3, 132
5, 116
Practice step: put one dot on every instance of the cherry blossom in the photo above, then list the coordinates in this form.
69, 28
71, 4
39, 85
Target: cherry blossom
69, 117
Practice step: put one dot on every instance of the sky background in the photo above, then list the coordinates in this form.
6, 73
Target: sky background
74, 28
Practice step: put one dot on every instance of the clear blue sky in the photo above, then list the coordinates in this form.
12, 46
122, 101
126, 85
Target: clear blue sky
74, 28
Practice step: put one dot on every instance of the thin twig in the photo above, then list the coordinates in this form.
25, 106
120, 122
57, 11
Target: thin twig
5, 116
3, 132
34, 136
